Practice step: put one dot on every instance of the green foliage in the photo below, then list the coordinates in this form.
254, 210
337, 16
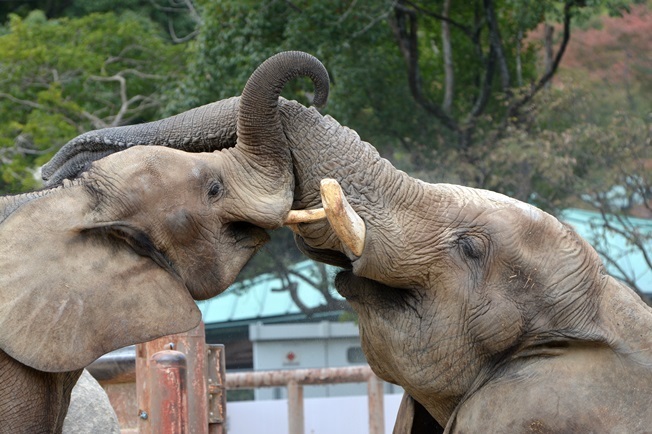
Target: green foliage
568, 143
166, 14
369, 90
62, 77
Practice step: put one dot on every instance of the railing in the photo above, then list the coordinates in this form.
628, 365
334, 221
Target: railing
295, 379
180, 387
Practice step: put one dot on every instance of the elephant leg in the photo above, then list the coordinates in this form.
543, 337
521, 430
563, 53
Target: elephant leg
33, 401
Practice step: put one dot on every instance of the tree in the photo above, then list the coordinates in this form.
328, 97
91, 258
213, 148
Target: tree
449, 91
178, 18
62, 77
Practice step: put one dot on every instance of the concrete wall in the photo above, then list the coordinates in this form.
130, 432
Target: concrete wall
313, 345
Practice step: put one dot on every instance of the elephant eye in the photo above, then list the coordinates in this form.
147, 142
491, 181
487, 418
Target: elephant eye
470, 246
215, 189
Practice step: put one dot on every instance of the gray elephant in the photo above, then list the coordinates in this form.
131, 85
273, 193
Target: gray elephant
117, 256
491, 314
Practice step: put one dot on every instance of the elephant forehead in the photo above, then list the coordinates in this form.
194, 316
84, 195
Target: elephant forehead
525, 208
146, 162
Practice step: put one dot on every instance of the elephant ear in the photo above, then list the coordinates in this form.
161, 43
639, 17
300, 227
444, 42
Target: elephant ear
413, 418
69, 294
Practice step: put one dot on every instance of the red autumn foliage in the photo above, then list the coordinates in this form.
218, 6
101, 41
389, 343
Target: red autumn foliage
617, 50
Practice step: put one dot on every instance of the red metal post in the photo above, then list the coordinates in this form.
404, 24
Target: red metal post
193, 345
169, 392
216, 364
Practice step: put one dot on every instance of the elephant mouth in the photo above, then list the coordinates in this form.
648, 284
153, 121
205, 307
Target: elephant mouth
139, 242
348, 285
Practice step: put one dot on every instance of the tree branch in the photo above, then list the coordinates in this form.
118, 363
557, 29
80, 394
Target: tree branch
449, 72
516, 106
373, 22
405, 25
485, 87
12, 98
497, 44
468, 31
175, 38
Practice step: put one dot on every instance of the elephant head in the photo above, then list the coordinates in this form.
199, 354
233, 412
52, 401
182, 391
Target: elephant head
143, 232
113, 257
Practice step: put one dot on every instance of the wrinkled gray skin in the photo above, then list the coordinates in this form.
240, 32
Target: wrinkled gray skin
116, 256
493, 315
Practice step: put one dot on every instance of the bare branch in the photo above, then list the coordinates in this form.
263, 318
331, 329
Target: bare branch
485, 86
443, 17
347, 12
516, 106
27, 103
293, 6
449, 72
373, 22
174, 36
126, 102
497, 44
94, 120
178, 7
405, 28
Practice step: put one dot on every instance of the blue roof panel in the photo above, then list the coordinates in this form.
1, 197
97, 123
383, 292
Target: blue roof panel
263, 298
590, 225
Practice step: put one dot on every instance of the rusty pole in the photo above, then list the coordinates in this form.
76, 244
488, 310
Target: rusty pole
295, 408
376, 409
169, 392
193, 345
216, 363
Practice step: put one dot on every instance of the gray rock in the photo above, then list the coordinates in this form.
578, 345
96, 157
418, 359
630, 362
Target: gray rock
90, 410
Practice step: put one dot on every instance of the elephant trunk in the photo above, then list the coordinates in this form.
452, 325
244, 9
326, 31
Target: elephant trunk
204, 129
260, 132
262, 155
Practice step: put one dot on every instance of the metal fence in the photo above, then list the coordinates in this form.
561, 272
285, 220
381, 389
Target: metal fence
180, 387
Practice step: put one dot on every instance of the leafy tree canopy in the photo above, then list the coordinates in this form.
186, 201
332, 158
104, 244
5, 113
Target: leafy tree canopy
61, 77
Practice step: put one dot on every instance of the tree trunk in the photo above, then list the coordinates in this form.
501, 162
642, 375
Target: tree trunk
449, 77
547, 42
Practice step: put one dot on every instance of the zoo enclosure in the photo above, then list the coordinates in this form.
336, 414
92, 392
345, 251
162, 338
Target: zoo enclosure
178, 385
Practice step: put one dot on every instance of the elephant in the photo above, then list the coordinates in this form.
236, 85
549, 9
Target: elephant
118, 255
492, 315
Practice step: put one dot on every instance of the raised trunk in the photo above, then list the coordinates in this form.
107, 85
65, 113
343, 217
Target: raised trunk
259, 126
204, 129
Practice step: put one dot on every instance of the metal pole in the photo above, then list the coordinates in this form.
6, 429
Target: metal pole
169, 392
193, 345
216, 362
295, 408
376, 409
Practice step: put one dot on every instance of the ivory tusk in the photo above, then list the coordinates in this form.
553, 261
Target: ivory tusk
346, 223
304, 216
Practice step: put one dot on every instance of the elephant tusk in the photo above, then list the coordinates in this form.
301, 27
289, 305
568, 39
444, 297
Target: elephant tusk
346, 223
304, 216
